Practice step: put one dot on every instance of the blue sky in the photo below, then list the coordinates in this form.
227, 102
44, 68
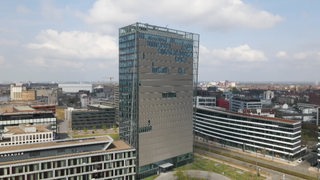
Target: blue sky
240, 40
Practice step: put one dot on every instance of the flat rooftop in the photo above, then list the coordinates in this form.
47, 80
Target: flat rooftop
100, 106
288, 121
115, 146
21, 129
56, 144
23, 108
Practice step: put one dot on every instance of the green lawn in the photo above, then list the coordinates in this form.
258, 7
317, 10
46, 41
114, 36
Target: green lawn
200, 163
151, 177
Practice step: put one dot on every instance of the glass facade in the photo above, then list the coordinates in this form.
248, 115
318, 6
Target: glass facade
158, 70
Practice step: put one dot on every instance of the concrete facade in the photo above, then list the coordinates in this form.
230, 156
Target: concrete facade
157, 72
274, 137
73, 159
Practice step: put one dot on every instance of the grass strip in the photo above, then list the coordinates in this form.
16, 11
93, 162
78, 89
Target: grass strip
285, 171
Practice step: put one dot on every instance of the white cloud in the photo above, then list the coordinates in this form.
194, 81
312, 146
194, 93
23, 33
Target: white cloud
50, 11
75, 44
51, 63
212, 14
282, 54
109, 12
2, 60
307, 55
242, 53
22, 9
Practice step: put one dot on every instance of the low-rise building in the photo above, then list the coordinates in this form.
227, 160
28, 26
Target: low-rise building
72, 159
28, 116
206, 101
25, 134
239, 103
274, 137
96, 116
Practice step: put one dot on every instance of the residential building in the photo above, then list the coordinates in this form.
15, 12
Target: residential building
273, 137
268, 95
71, 159
157, 80
239, 103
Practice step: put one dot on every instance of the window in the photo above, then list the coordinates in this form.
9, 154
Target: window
169, 95
181, 70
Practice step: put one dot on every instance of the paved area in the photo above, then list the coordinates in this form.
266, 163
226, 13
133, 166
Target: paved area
192, 173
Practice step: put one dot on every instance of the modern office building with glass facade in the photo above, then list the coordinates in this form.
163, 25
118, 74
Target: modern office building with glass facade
71, 159
274, 137
158, 70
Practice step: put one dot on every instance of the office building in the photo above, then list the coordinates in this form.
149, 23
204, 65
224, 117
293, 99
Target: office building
16, 91
157, 79
75, 88
25, 134
72, 159
95, 117
273, 137
206, 101
48, 95
31, 117
240, 103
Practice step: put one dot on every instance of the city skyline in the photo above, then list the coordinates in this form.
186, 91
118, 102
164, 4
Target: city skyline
240, 40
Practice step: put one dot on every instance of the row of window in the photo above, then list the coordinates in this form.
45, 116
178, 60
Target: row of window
187, 43
28, 121
77, 161
251, 119
248, 135
242, 125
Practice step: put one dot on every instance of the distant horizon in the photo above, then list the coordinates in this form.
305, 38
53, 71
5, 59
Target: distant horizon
93, 81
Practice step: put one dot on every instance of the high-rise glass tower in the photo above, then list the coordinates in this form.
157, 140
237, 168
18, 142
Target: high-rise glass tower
158, 70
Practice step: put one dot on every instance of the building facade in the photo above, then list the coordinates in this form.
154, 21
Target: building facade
25, 134
73, 159
16, 91
274, 137
206, 101
32, 118
158, 70
96, 117
240, 103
